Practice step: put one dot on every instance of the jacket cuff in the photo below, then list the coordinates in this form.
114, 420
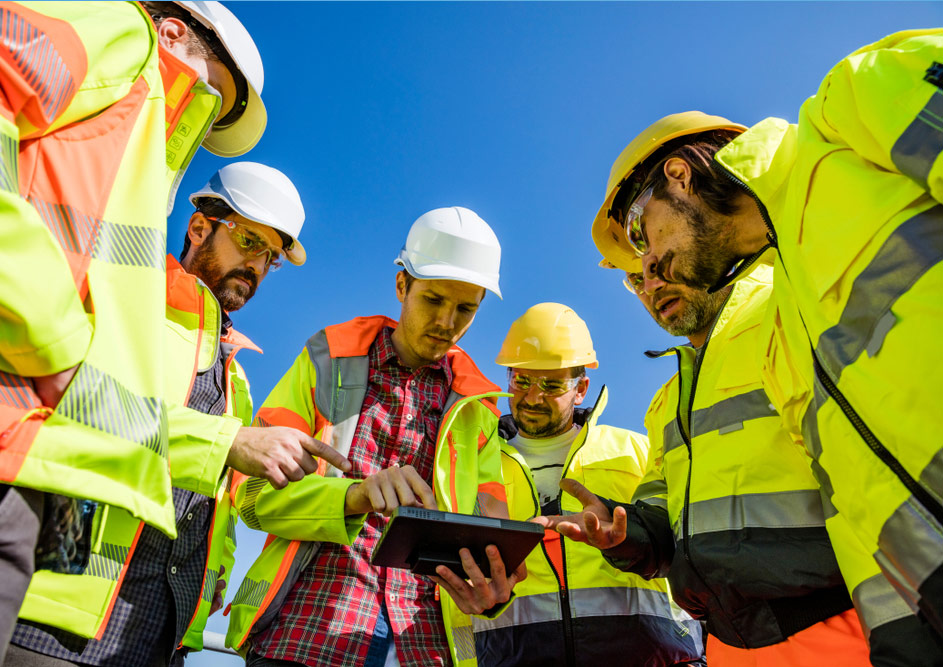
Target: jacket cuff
67, 351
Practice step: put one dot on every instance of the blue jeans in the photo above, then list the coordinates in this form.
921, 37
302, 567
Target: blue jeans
380, 643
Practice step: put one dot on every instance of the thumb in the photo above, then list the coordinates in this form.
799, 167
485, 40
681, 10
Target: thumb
578, 491
324, 451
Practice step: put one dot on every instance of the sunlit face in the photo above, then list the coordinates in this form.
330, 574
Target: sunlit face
688, 244
434, 317
539, 415
231, 274
678, 309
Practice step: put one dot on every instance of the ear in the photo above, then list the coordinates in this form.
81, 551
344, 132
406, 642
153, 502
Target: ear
678, 173
581, 390
172, 32
199, 229
400, 286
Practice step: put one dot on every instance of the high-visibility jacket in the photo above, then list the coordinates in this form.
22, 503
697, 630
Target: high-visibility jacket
574, 608
82, 603
752, 555
87, 161
466, 470
852, 196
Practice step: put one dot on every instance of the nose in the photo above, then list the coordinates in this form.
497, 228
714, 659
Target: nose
650, 280
258, 263
445, 318
533, 396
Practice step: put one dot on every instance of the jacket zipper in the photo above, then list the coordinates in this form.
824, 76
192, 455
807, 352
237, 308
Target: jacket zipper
874, 444
686, 437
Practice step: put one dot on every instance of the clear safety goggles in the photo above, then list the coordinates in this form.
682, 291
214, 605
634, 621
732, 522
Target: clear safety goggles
634, 282
548, 386
251, 244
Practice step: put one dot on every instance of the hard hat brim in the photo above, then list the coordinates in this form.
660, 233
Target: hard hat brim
240, 137
447, 272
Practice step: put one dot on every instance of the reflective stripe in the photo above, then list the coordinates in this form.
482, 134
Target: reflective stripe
672, 436
650, 490
878, 603
464, 640
98, 400
87, 235
128, 245
231, 528
913, 542
209, 584
909, 252
584, 602
786, 509
17, 391
250, 593
724, 416
253, 486
729, 414
921, 143
107, 564
9, 163
932, 475
38, 60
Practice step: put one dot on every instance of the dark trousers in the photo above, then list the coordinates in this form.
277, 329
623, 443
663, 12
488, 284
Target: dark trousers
20, 517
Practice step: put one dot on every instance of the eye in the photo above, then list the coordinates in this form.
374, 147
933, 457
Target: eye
554, 387
468, 310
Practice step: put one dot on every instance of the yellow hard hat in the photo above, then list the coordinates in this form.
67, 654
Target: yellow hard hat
608, 235
548, 336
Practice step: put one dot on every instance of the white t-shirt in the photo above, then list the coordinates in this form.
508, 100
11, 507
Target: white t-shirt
545, 457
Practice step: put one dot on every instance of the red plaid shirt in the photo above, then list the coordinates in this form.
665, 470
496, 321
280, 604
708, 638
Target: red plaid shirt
329, 615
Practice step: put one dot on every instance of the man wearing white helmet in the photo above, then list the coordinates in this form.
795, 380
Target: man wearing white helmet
101, 114
418, 422
248, 219
574, 608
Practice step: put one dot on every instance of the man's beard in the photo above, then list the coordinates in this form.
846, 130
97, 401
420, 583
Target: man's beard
700, 310
230, 296
707, 257
550, 429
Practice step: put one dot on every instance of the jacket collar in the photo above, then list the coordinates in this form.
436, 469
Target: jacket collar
354, 338
183, 293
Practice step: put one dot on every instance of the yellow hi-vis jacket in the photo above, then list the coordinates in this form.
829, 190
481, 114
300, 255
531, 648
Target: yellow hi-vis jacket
852, 196
85, 178
574, 608
752, 555
321, 394
199, 444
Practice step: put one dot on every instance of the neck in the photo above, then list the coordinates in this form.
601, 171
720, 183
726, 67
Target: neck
406, 356
751, 232
698, 338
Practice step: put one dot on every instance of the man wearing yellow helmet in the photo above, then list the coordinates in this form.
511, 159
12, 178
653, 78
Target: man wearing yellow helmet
574, 608
849, 202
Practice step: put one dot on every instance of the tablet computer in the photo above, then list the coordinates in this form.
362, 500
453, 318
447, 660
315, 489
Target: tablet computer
418, 539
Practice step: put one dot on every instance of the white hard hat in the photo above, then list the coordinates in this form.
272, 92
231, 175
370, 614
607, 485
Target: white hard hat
452, 244
245, 133
261, 194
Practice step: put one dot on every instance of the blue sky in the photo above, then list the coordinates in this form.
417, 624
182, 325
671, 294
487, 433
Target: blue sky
381, 111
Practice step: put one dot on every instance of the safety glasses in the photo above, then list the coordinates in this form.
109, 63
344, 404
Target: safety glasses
633, 282
251, 244
547, 386
634, 227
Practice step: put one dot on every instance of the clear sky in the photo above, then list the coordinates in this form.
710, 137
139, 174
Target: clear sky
380, 112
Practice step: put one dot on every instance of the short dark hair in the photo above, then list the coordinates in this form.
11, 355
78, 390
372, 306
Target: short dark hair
708, 180
577, 371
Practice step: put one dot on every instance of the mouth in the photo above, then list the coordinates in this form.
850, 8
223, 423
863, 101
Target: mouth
668, 306
439, 339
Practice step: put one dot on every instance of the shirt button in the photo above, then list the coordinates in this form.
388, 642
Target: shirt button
173, 569
412, 383
409, 418
393, 597
190, 516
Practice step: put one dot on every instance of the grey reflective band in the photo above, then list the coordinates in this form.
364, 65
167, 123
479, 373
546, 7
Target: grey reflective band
912, 541
464, 640
254, 486
251, 593
128, 245
932, 475
672, 436
17, 391
784, 509
108, 562
921, 143
209, 585
651, 491
9, 164
585, 603
909, 252
729, 414
878, 603
99, 401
